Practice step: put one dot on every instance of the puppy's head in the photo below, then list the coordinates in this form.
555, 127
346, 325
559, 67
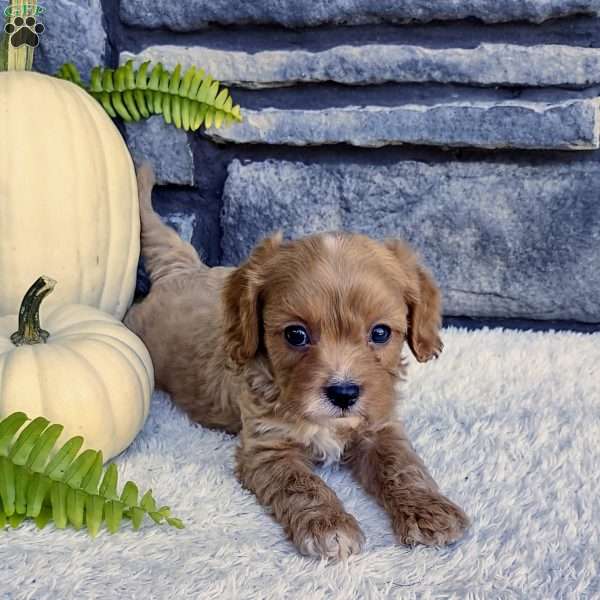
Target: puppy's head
329, 315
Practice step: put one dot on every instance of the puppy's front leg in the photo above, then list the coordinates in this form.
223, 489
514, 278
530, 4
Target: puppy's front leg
386, 464
312, 516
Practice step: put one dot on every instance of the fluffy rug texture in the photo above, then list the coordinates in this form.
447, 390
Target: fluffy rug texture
509, 423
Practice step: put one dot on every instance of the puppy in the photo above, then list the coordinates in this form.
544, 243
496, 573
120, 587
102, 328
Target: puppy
299, 350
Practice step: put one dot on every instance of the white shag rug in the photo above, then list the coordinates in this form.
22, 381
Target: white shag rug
509, 424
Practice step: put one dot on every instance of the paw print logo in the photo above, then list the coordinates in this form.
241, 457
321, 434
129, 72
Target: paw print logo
24, 31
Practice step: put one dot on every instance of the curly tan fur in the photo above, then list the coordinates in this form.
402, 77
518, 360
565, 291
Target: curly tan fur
216, 337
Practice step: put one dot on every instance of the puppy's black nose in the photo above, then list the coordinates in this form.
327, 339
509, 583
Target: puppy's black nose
343, 395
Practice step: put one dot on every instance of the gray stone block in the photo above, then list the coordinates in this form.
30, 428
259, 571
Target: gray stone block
568, 125
166, 147
503, 240
74, 32
199, 14
487, 64
183, 223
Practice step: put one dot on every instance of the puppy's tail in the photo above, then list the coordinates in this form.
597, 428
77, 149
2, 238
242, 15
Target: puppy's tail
164, 252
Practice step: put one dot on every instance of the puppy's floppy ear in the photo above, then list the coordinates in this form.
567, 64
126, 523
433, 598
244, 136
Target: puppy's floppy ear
241, 300
424, 303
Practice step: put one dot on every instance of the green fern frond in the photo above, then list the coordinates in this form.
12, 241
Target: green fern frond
187, 100
67, 487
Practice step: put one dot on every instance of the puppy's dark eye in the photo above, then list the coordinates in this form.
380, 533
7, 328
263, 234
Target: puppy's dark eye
380, 334
297, 336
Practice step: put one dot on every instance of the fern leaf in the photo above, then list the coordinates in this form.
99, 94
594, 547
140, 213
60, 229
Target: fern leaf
136, 514
58, 500
37, 491
167, 100
63, 458
113, 513
156, 517
141, 81
79, 468
16, 519
108, 487
154, 81
22, 479
38, 457
202, 94
107, 81
221, 99
71, 489
185, 113
130, 494
174, 81
76, 507
186, 82
208, 119
8, 428
43, 518
175, 522
7, 485
130, 76
92, 479
27, 438
94, 511
148, 502
187, 100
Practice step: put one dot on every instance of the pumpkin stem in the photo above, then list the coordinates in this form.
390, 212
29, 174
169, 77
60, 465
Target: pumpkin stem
30, 331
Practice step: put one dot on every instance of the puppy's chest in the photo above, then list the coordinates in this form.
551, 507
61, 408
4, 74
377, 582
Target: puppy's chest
326, 444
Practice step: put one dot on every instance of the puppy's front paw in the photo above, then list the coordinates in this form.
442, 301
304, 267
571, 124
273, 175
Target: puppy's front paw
429, 518
334, 536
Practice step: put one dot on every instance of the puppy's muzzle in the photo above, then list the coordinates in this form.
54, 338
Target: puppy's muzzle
342, 395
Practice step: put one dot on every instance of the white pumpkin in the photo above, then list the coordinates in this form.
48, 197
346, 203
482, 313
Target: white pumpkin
68, 196
91, 374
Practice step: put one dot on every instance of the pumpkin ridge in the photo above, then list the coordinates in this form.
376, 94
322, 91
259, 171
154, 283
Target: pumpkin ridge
79, 139
6, 371
134, 248
64, 330
108, 408
67, 140
58, 313
90, 123
42, 396
7, 208
125, 279
4, 356
127, 359
106, 205
108, 336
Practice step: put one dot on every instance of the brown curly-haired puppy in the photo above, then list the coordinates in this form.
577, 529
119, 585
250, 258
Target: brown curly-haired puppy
299, 350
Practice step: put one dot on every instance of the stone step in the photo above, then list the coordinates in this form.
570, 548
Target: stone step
73, 32
166, 148
199, 14
503, 240
485, 65
567, 125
